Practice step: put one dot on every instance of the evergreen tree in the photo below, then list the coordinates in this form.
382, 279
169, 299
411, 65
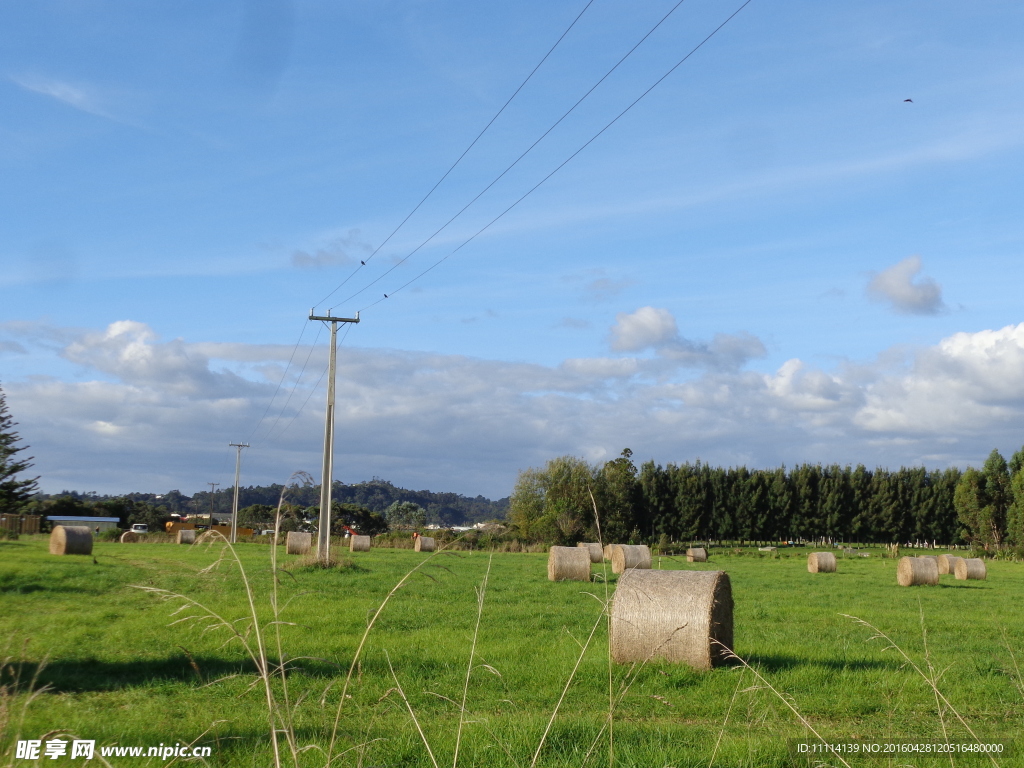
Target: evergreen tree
968, 498
860, 500
622, 496
692, 502
780, 501
1015, 512
984, 501
13, 492
656, 499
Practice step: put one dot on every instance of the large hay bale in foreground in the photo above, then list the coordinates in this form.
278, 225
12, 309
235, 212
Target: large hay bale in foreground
71, 540
821, 562
596, 553
917, 571
568, 564
970, 568
298, 543
129, 537
696, 555
186, 535
679, 616
947, 564
626, 557
359, 544
425, 544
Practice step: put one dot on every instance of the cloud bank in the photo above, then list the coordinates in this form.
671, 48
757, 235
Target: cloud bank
158, 414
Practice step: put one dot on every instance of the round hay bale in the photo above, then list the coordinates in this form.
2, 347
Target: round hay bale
930, 557
821, 562
679, 616
359, 544
947, 564
596, 553
298, 543
129, 537
425, 544
568, 564
970, 568
186, 536
71, 540
626, 557
915, 571
607, 552
696, 555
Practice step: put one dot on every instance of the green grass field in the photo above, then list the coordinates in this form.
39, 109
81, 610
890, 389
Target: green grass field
116, 672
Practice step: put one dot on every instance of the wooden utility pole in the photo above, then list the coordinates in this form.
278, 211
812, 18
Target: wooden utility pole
213, 487
234, 503
324, 532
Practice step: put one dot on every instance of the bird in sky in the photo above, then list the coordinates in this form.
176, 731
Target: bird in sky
905, 101
362, 262
385, 295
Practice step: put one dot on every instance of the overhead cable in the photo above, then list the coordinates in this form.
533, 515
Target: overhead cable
564, 162
294, 386
515, 162
283, 376
458, 160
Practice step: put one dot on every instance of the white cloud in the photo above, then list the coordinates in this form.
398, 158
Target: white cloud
653, 328
647, 327
130, 352
73, 95
969, 382
896, 286
167, 410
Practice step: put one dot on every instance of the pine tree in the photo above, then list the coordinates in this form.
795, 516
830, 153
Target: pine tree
13, 492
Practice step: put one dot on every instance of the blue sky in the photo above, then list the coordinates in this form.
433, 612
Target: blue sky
771, 258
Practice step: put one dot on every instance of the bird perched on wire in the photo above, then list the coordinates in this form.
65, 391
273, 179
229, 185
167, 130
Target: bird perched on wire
908, 101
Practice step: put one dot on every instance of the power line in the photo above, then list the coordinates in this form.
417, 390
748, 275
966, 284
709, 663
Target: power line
515, 162
283, 376
460, 157
341, 343
564, 162
294, 386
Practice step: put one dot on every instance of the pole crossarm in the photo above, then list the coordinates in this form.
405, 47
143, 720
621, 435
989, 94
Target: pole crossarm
330, 319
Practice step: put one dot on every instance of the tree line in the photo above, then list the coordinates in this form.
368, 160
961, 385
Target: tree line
696, 501
372, 496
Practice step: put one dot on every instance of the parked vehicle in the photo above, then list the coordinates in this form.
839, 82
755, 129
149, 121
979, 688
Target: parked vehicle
140, 528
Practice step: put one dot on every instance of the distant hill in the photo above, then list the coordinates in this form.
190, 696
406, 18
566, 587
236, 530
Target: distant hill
377, 495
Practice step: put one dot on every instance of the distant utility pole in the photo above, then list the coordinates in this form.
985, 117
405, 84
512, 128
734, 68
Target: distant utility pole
234, 504
324, 532
213, 486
